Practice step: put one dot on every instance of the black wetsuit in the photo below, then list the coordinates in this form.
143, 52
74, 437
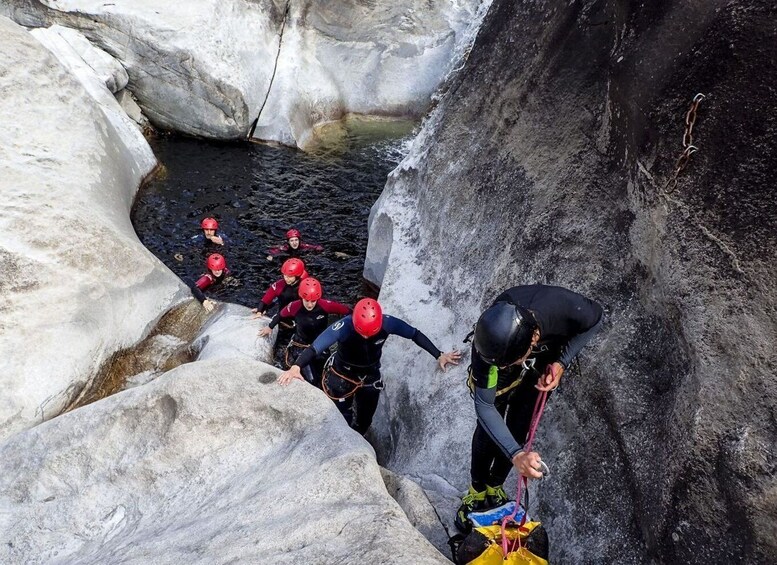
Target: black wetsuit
281, 294
208, 247
567, 321
286, 251
309, 325
352, 376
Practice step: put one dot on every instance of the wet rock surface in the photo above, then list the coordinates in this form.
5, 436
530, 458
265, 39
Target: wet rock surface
212, 462
547, 160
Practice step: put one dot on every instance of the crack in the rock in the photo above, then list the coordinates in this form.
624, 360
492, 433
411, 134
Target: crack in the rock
274, 69
712, 237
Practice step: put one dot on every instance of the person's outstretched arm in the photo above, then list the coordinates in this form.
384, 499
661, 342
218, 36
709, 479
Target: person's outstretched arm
401, 328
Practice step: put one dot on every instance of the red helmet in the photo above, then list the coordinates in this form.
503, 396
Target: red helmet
367, 317
310, 289
293, 267
293, 233
216, 262
209, 224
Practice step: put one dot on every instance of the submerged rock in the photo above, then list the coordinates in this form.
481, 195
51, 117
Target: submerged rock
547, 160
213, 462
79, 285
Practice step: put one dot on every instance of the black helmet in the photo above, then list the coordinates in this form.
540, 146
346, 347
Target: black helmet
503, 333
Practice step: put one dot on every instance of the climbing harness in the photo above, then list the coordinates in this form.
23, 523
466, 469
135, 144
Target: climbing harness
688, 147
500, 391
527, 367
293, 344
358, 382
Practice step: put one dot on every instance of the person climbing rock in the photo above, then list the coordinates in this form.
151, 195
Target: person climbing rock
352, 374
284, 290
216, 272
522, 345
209, 237
294, 246
311, 317
281, 293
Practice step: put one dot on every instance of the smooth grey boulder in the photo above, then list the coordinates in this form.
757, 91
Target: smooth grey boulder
131, 108
80, 285
211, 463
70, 43
417, 507
361, 57
199, 67
550, 159
231, 333
275, 69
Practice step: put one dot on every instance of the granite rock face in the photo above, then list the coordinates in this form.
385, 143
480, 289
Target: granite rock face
273, 69
80, 285
547, 160
68, 43
212, 462
362, 57
197, 67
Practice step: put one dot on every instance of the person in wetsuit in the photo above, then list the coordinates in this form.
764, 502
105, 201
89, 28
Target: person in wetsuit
352, 374
209, 239
217, 271
282, 292
311, 317
522, 345
294, 246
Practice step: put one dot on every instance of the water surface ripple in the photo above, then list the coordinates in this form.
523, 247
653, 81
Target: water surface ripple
257, 192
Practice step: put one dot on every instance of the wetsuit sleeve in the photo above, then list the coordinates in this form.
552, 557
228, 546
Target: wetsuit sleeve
197, 293
311, 246
272, 293
591, 323
336, 332
203, 282
493, 423
332, 307
288, 311
279, 249
401, 328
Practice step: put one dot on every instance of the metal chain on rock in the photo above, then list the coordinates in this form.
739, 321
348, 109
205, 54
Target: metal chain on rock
688, 147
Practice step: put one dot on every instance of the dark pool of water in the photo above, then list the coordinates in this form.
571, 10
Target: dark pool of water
257, 192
